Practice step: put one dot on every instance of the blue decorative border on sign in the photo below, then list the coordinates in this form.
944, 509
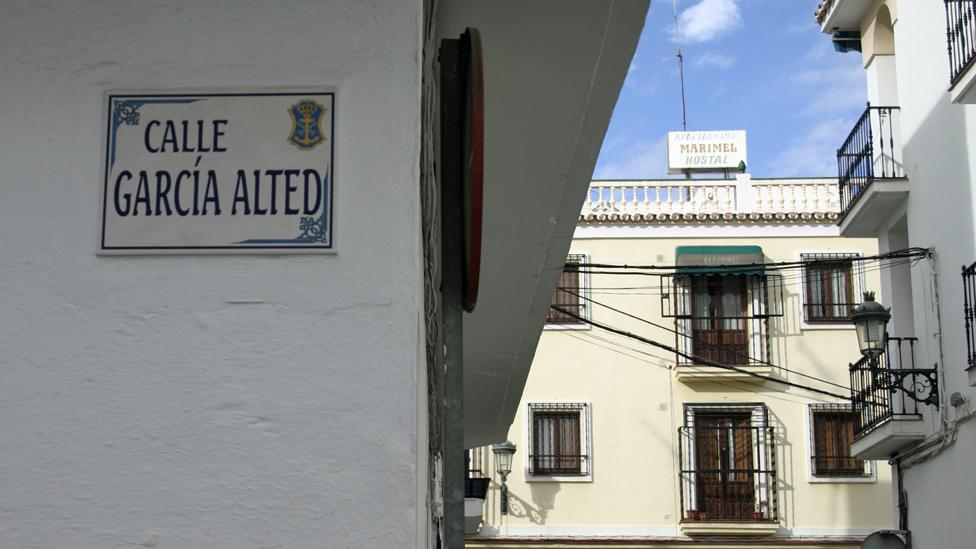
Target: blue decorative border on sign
126, 111
314, 233
312, 230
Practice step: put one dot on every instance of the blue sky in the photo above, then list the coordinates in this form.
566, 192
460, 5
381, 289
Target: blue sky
758, 65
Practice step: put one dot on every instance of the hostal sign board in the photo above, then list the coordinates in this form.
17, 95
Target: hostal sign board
219, 172
706, 151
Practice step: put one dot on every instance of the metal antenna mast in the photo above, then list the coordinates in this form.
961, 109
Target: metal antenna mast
681, 64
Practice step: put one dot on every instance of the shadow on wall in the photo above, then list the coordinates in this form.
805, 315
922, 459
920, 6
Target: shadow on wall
785, 474
937, 163
543, 497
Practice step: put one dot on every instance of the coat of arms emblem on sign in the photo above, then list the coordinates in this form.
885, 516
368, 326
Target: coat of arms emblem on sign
306, 124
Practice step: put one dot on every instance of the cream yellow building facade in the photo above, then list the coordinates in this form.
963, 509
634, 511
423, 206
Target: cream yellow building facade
621, 443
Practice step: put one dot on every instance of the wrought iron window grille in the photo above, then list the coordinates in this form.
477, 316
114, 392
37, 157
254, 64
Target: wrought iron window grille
724, 332
831, 284
559, 439
830, 442
728, 464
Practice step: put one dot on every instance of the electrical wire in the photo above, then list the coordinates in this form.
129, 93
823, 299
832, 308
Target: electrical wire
691, 357
697, 340
613, 346
796, 279
773, 265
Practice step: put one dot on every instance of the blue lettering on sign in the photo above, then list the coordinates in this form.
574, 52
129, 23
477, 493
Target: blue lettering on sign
162, 193
174, 136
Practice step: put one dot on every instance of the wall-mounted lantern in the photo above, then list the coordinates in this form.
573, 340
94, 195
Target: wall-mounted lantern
871, 323
503, 465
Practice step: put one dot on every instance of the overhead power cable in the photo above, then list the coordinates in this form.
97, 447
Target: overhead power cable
697, 340
743, 386
771, 266
786, 280
694, 358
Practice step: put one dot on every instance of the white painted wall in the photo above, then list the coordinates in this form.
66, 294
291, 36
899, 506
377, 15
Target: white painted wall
209, 401
939, 151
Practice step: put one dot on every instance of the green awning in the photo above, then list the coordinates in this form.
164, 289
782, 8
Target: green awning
719, 260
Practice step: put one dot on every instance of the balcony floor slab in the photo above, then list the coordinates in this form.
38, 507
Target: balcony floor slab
692, 373
873, 208
704, 528
891, 437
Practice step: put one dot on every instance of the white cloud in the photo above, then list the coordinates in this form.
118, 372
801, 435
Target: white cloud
719, 61
835, 90
812, 153
709, 19
636, 160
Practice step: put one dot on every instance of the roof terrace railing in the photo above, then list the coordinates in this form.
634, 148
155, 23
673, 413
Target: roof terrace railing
648, 200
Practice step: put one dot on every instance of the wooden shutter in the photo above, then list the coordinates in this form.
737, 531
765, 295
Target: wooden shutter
556, 443
833, 432
568, 280
828, 289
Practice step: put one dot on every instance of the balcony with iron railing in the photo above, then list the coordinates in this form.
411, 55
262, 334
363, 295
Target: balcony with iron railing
889, 397
740, 200
961, 38
728, 480
870, 173
969, 318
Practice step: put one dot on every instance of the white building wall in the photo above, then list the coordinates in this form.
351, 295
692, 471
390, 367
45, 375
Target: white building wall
938, 161
939, 151
208, 401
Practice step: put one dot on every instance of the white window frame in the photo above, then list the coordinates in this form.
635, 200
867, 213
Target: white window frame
586, 445
870, 476
857, 279
584, 291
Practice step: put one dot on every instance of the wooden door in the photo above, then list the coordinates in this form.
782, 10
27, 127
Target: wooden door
724, 469
720, 306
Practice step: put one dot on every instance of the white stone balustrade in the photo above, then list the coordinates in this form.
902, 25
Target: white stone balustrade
742, 197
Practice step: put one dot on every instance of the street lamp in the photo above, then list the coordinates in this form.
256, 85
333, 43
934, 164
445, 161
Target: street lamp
870, 321
503, 465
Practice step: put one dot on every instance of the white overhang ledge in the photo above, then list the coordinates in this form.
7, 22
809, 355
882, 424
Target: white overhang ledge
553, 71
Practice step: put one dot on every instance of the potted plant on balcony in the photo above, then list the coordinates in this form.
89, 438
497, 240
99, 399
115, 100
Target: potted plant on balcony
760, 514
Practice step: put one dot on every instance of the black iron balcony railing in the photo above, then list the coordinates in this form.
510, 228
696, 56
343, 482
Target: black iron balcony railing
728, 474
969, 312
891, 386
961, 35
871, 151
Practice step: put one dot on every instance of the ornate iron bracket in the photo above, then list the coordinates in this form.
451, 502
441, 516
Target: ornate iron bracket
920, 385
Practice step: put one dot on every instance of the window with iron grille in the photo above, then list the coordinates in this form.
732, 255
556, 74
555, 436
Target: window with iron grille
558, 439
832, 432
728, 464
831, 284
572, 284
722, 318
